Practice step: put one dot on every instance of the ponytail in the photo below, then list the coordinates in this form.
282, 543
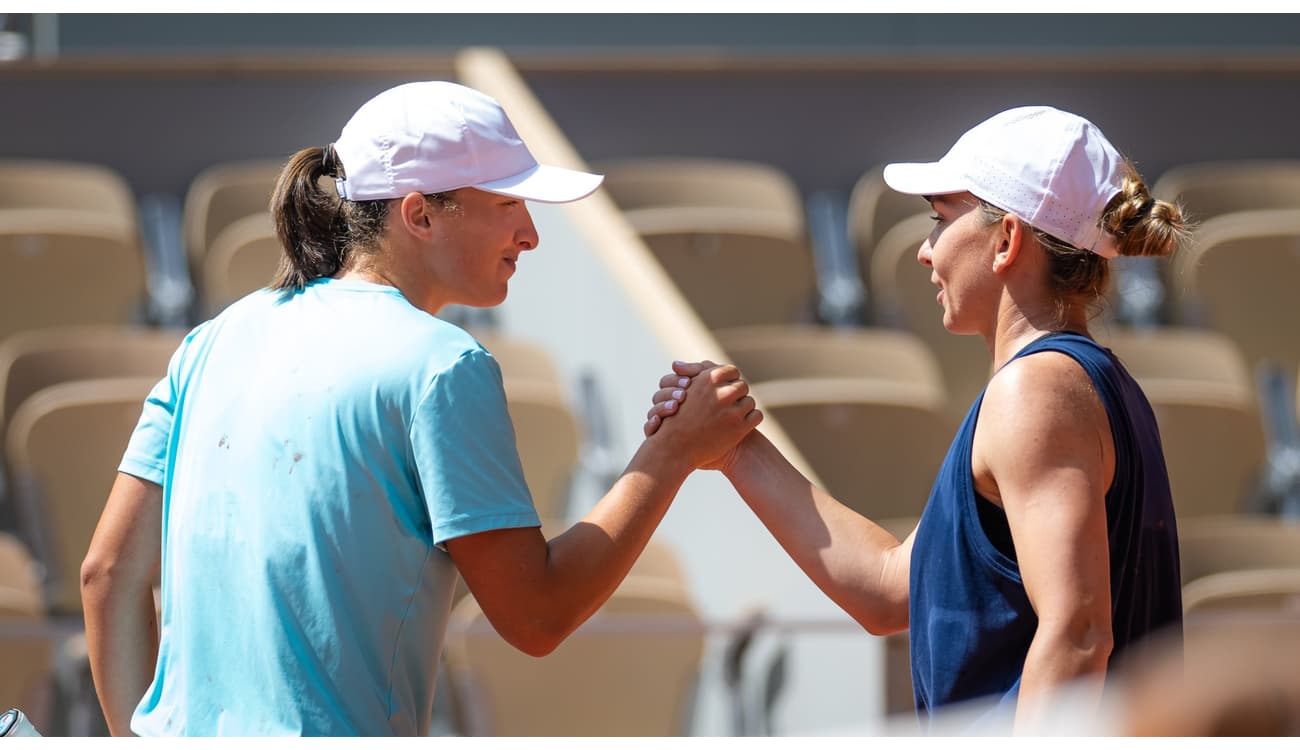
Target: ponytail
308, 220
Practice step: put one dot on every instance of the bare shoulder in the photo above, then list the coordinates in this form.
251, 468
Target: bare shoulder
1039, 412
1042, 386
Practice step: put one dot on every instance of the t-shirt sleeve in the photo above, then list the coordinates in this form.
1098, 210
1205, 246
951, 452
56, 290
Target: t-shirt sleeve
464, 447
146, 453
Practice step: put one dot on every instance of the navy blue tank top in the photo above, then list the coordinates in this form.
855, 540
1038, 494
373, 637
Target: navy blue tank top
971, 621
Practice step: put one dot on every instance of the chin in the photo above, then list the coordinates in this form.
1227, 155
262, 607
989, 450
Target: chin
953, 326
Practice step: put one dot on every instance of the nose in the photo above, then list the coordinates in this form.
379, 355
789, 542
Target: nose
923, 255
526, 234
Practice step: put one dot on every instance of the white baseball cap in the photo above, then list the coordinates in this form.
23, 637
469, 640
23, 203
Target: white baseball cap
435, 136
1054, 170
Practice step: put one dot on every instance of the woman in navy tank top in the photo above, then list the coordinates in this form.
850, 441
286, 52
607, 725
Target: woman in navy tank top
1048, 544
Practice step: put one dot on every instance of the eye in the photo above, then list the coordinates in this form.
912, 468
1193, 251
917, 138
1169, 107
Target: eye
935, 217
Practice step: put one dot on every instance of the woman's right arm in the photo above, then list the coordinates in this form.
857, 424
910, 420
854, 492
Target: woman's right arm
117, 598
862, 567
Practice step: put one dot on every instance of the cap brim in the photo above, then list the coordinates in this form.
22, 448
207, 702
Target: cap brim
929, 178
546, 184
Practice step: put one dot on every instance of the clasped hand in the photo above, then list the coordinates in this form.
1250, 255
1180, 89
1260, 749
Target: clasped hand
720, 415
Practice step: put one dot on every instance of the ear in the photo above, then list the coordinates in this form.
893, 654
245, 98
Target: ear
414, 214
1011, 234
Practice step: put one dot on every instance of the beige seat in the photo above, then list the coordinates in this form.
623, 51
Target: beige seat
27, 655
776, 352
1240, 277
64, 444
864, 407
1209, 545
242, 258
1210, 189
628, 671
38, 186
1268, 589
1213, 442
1183, 354
874, 209
876, 444
66, 268
221, 195
34, 360
547, 436
703, 183
904, 297
1204, 402
731, 235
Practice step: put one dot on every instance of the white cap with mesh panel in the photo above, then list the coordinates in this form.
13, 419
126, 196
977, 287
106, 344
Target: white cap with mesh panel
1053, 169
433, 137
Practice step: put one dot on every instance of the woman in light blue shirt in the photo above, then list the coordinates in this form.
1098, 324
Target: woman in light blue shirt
325, 456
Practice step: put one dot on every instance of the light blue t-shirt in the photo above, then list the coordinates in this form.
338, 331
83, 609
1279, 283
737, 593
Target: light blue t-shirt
315, 449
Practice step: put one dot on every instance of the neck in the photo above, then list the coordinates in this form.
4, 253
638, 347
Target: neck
379, 268
1019, 324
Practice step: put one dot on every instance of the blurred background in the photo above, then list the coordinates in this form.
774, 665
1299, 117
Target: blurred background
743, 219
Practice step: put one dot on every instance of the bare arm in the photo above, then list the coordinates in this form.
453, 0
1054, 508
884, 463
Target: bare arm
117, 598
862, 567
535, 593
1044, 449
859, 565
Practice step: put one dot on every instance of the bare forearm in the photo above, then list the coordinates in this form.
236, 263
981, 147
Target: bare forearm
122, 639
559, 584
587, 563
858, 564
1056, 658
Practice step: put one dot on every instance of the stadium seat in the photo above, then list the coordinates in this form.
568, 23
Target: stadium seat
864, 407
1269, 589
874, 209
1209, 545
777, 352
32, 361
243, 258
67, 268
221, 195
687, 182
1205, 404
875, 444
1213, 442
1240, 278
730, 235
1174, 353
36, 186
64, 444
628, 671
1209, 189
